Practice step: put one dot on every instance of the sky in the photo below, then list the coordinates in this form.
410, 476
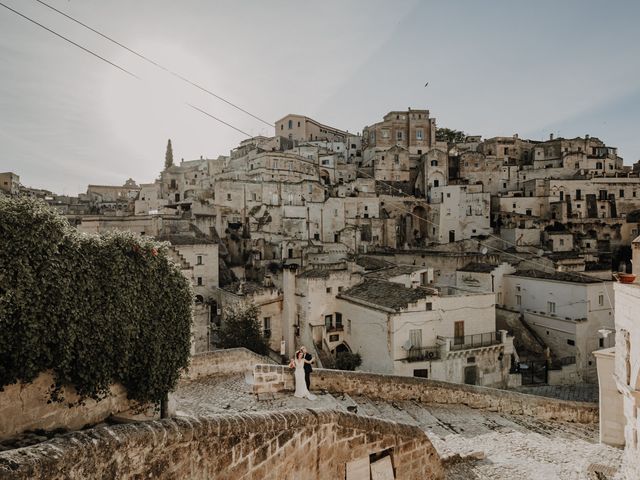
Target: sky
495, 68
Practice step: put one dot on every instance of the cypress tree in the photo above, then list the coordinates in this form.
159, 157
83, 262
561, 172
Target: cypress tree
168, 157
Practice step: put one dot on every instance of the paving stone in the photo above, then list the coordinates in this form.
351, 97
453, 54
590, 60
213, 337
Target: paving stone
514, 446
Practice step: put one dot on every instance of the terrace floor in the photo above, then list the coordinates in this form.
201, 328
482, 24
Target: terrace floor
477, 443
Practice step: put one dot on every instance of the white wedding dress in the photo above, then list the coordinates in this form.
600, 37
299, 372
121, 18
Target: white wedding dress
301, 385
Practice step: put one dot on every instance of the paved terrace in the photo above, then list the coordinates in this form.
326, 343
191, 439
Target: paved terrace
479, 444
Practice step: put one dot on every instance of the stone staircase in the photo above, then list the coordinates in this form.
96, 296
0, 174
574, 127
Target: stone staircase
179, 259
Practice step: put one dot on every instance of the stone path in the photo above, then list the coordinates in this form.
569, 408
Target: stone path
583, 392
513, 446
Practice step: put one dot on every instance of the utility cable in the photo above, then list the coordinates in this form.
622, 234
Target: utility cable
158, 65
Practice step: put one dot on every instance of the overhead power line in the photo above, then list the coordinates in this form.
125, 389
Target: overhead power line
158, 65
71, 42
114, 64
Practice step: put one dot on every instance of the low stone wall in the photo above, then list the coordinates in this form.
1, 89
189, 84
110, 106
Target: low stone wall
273, 378
290, 444
24, 406
223, 362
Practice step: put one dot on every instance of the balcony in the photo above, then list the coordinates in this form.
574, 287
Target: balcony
422, 354
472, 341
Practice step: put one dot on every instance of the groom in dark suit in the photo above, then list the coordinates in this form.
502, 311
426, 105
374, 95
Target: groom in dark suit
307, 366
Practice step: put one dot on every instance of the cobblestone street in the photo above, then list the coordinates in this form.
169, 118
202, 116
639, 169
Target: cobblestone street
491, 445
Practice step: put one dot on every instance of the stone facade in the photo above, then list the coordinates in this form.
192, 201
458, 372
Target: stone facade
285, 445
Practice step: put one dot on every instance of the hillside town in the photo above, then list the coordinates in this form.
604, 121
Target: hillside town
427, 252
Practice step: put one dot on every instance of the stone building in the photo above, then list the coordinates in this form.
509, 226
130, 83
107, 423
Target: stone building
412, 129
619, 375
566, 310
299, 128
9, 183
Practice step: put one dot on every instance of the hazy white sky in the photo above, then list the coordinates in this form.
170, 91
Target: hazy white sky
494, 68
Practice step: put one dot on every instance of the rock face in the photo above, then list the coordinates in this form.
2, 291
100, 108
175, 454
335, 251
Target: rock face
285, 445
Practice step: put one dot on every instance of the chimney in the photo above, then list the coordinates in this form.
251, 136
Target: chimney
586, 137
551, 136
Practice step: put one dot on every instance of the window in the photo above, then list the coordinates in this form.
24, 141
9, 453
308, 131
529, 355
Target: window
298, 123
228, 196
518, 299
421, 372
199, 281
338, 320
340, 288
419, 134
551, 307
254, 197
601, 342
328, 321
415, 338
601, 300
571, 342
328, 289
399, 135
621, 193
578, 194
419, 152
429, 306
349, 325
396, 158
290, 124
385, 134
199, 260
434, 163
266, 327
562, 242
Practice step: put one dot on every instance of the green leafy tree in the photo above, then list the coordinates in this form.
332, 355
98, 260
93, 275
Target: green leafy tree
348, 361
94, 310
168, 157
241, 328
450, 136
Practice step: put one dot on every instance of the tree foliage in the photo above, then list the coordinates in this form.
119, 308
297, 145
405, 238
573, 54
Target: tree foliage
168, 156
348, 361
450, 136
241, 328
95, 310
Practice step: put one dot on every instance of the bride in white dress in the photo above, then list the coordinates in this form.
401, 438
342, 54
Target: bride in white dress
301, 385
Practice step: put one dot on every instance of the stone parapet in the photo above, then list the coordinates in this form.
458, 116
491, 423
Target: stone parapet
274, 378
223, 362
309, 444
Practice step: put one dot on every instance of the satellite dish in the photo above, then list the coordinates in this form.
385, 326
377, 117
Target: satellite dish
484, 250
407, 345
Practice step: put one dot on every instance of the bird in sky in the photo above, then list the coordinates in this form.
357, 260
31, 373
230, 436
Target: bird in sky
426, 84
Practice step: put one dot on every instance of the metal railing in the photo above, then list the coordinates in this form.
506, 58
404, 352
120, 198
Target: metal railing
423, 353
473, 341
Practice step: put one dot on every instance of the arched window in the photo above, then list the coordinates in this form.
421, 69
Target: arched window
290, 124
598, 165
434, 163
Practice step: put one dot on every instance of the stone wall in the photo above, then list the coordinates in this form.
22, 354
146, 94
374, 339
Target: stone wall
223, 362
24, 406
273, 378
286, 445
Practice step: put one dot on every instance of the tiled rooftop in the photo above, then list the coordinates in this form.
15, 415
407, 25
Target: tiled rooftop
386, 294
559, 276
